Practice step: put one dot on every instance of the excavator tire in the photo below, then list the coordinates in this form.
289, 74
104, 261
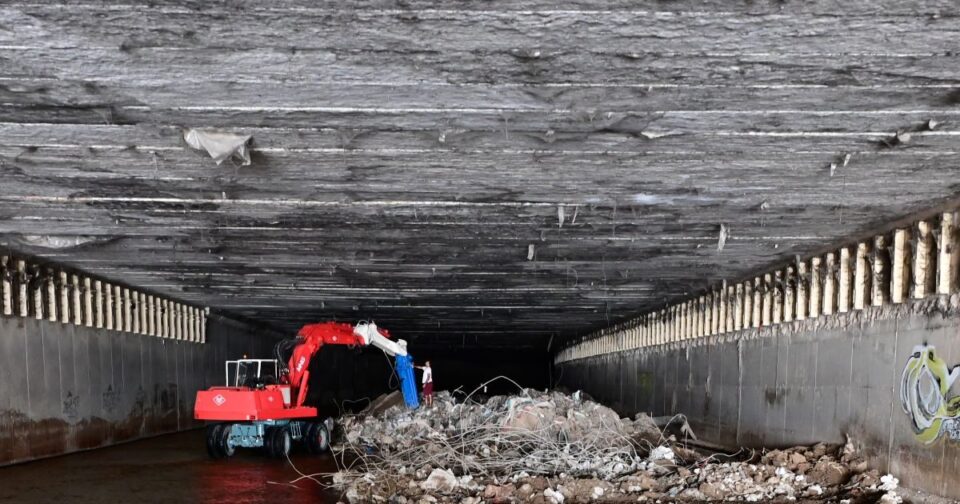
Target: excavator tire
223, 441
268, 441
280, 443
307, 436
318, 438
213, 438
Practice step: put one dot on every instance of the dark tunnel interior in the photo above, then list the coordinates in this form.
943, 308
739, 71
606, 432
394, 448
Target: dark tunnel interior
347, 379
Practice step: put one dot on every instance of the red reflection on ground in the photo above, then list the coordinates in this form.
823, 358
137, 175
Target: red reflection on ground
171, 468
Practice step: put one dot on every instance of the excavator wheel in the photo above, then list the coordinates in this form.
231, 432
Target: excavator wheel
308, 434
223, 441
280, 442
318, 438
268, 441
213, 438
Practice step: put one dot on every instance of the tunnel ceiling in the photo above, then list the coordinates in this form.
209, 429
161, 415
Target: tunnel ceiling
493, 173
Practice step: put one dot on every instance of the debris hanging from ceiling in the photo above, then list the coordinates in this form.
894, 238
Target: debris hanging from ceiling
219, 144
724, 234
58, 242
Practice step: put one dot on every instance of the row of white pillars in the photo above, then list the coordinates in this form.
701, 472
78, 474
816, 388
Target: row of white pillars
47, 293
912, 262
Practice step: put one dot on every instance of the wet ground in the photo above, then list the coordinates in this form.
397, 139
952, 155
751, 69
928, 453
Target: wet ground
171, 468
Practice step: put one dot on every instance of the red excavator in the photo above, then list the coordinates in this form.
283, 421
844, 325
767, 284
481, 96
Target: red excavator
262, 404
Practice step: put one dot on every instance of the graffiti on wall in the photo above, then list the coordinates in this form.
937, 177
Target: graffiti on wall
924, 388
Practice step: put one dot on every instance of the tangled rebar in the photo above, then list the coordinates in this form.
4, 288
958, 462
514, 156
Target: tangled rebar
532, 432
566, 448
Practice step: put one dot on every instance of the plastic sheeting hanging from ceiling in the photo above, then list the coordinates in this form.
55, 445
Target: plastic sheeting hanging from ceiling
220, 145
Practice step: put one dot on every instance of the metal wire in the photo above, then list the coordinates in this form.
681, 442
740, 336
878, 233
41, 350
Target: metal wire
532, 433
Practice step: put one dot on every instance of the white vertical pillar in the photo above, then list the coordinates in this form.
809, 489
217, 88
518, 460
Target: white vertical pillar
37, 294
713, 312
127, 310
108, 302
900, 265
861, 276
64, 298
845, 290
52, 297
88, 302
6, 286
923, 266
880, 277
24, 309
776, 305
748, 304
76, 307
99, 302
154, 315
802, 287
135, 310
721, 296
144, 312
674, 323
830, 283
738, 307
758, 295
789, 281
816, 293
766, 317
732, 305
167, 317
118, 310
947, 258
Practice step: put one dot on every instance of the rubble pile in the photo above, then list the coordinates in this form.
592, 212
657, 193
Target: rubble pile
557, 448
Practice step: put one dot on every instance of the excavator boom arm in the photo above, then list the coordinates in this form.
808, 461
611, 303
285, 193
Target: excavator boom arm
312, 337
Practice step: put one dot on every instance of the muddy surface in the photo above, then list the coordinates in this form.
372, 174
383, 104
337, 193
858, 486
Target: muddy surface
170, 468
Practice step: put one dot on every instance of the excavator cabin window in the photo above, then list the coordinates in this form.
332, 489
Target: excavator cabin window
253, 373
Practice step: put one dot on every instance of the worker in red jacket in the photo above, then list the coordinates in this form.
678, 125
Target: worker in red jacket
427, 383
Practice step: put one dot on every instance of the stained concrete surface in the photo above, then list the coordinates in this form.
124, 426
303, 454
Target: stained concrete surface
168, 468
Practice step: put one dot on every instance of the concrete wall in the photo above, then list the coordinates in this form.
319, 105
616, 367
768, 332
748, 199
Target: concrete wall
797, 383
65, 387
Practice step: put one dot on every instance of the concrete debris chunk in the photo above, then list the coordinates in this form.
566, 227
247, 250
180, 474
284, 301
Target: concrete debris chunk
440, 480
888, 483
220, 145
383, 403
661, 453
829, 472
553, 496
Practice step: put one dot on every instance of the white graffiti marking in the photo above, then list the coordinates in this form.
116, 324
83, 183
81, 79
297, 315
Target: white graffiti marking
924, 387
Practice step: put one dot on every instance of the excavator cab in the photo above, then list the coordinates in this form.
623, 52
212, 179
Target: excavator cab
253, 373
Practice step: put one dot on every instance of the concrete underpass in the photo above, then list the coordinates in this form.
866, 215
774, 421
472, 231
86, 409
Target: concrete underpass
741, 212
